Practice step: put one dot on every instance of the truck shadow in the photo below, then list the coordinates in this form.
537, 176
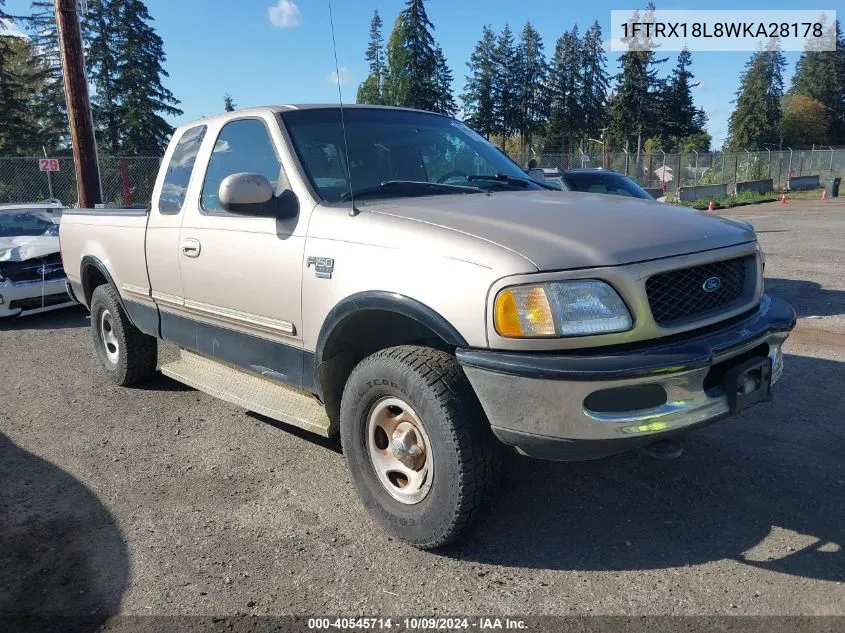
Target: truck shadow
807, 297
766, 489
62, 554
74, 316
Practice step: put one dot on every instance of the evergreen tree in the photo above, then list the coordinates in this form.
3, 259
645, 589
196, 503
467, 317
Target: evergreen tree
756, 119
635, 110
49, 101
100, 30
417, 73
595, 82
478, 97
506, 82
567, 93
420, 56
821, 76
17, 135
680, 116
125, 66
533, 89
444, 102
371, 89
229, 104
396, 79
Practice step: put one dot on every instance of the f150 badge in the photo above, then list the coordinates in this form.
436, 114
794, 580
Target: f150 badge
323, 266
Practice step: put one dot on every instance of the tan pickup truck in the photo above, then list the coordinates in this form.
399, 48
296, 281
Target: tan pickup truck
391, 276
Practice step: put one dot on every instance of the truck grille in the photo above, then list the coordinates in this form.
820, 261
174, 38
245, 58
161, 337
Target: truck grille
677, 295
47, 268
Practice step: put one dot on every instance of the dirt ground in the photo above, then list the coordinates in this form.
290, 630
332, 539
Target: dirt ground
161, 500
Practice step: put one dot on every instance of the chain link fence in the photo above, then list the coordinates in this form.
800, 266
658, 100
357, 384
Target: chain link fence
129, 180
126, 181
686, 170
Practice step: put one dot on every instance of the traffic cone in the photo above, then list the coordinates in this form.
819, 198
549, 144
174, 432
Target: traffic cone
711, 206
783, 200
824, 194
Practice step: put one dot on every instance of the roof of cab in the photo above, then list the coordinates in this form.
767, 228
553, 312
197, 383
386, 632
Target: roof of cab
295, 106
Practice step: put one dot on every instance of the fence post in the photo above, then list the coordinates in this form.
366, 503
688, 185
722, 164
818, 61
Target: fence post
680, 176
830, 167
736, 167
695, 173
127, 186
769, 171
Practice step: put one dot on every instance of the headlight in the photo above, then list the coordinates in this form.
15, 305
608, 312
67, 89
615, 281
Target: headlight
564, 308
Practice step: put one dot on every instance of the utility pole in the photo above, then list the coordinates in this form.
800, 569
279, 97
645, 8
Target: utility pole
78, 104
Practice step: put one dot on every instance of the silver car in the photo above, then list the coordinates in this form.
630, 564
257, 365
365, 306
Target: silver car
32, 278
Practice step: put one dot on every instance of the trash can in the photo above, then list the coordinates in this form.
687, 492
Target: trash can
832, 187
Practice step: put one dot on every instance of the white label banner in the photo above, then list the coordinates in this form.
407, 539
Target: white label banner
723, 30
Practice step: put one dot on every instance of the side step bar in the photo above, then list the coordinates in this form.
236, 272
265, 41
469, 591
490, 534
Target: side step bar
255, 393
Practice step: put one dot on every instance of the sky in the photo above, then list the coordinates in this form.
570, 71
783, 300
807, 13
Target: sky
280, 51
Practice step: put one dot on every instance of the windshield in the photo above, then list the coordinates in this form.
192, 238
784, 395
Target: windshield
399, 147
27, 222
607, 182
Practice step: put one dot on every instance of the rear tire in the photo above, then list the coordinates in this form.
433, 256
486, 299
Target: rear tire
127, 355
418, 446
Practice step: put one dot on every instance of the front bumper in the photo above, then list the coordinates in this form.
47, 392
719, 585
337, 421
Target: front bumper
597, 402
22, 299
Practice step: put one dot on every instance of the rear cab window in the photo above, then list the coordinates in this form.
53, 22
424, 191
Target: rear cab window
179, 171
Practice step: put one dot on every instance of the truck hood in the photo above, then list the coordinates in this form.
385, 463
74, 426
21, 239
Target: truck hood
557, 231
21, 248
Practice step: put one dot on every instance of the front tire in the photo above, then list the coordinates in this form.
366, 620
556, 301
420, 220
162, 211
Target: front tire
127, 355
419, 449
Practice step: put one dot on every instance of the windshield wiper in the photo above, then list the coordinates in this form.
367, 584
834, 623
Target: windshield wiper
511, 180
400, 187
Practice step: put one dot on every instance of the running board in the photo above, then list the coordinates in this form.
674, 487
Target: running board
254, 393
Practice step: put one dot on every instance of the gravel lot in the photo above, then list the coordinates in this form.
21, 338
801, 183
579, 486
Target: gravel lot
162, 500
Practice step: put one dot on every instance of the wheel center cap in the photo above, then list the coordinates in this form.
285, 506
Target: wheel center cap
406, 448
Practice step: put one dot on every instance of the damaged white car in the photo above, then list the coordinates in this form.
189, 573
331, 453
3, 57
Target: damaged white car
32, 278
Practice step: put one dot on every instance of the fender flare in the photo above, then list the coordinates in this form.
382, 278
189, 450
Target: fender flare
89, 261
387, 302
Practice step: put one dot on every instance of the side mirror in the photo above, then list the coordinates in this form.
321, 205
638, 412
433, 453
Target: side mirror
252, 194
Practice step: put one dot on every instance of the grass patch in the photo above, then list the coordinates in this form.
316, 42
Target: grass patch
746, 197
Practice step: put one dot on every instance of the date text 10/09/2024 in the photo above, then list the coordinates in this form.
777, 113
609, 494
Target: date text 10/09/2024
418, 624
722, 29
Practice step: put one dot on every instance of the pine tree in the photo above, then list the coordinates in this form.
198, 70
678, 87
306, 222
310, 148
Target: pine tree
420, 56
680, 116
396, 79
756, 119
636, 108
371, 89
125, 65
444, 102
100, 30
506, 82
478, 97
595, 82
49, 102
17, 135
534, 71
229, 104
567, 92
821, 76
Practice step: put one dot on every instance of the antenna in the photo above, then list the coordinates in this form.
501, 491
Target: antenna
353, 211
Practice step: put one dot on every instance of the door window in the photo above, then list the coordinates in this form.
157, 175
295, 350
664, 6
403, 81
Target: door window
243, 145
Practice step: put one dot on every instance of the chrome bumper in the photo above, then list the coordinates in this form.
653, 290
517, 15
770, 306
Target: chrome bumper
551, 409
35, 296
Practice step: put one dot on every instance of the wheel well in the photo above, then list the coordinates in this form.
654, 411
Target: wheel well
91, 278
359, 335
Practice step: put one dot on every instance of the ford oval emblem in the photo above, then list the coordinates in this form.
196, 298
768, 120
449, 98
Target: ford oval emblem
711, 284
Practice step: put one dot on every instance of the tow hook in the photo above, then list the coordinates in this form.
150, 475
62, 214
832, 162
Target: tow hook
664, 449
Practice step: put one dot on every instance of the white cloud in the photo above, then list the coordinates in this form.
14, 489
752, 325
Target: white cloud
284, 14
345, 77
7, 27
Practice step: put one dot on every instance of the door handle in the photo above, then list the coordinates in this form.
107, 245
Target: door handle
191, 248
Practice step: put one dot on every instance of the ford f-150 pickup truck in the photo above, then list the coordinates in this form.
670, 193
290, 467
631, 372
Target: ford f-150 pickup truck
391, 276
